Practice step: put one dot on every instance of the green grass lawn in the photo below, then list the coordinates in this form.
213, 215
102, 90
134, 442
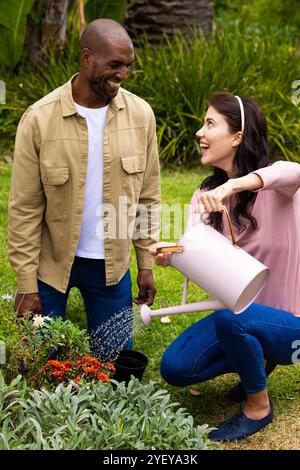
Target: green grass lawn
210, 406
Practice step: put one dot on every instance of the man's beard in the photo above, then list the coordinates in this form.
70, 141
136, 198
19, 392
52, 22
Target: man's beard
97, 88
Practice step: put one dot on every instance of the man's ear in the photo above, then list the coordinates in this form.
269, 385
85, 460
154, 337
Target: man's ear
237, 139
86, 56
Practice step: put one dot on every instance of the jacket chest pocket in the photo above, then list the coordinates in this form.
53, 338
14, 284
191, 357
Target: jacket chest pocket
132, 177
57, 190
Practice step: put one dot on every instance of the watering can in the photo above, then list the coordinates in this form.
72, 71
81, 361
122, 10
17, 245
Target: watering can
219, 266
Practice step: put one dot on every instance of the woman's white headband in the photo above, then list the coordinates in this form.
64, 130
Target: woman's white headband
242, 113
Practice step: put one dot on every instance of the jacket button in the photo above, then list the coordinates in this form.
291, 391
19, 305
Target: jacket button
79, 211
45, 179
81, 185
76, 237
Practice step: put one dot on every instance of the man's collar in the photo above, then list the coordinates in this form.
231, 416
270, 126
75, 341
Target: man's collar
118, 103
68, 106
67, 103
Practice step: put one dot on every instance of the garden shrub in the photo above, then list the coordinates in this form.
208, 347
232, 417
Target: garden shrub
95, 416
266, 12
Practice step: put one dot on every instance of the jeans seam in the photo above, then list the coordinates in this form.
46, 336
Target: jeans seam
201, 353
255, 358
276, 325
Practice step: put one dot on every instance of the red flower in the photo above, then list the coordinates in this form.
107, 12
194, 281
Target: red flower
94, 362
86, 358
90, 370
87, 366
58, 374
55, 364
103, 377
111, 367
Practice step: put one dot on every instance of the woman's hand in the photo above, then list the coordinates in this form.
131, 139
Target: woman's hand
161, 259
212, 201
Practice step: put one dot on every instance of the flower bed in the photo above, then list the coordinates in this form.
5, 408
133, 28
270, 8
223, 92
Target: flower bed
72, 402
87, 368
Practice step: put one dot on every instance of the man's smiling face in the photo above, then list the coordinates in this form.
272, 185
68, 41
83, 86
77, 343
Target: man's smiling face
107, 67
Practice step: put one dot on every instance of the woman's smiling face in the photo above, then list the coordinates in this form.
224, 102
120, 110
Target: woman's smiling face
218, 144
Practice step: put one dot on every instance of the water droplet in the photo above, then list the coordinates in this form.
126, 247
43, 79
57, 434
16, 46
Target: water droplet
111, 336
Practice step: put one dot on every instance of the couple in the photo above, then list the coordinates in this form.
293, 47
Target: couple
90, 134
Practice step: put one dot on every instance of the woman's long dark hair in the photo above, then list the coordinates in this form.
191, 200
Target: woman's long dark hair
252, 153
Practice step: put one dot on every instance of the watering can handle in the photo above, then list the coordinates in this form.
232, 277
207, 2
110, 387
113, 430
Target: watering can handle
230, 226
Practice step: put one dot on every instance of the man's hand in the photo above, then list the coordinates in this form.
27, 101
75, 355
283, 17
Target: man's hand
146, 285
28, 303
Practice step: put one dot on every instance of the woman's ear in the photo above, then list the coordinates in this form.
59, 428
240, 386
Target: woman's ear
237, 139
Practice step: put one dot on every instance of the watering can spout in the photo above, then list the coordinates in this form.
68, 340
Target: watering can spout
204, 306
145, 314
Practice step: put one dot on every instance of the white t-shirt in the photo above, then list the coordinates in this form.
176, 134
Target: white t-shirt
91, 241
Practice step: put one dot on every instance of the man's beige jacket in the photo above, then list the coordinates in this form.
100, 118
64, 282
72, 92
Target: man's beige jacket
48, 187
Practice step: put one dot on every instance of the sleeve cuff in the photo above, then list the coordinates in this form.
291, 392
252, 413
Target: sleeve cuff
27, 284
144, 259
262, 179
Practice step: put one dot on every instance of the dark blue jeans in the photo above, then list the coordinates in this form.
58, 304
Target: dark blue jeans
108, 308
225, 342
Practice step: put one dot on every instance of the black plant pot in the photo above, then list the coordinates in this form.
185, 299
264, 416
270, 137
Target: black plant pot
129, 363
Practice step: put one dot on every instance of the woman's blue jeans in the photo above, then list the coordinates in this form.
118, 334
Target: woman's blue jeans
105, 306
225, 342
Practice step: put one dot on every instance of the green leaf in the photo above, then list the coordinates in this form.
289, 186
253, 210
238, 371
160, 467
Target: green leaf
114, 9
13, 19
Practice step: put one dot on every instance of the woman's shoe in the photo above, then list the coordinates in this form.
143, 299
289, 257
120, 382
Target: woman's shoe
240, 426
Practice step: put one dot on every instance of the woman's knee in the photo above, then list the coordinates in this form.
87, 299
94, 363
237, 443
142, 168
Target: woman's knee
225, 321
171, 368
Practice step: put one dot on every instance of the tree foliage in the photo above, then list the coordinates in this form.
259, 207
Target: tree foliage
13, 19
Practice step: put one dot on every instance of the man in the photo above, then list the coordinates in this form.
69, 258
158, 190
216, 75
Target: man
81, 153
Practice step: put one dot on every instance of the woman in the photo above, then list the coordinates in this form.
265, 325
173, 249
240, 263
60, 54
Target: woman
264, 205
